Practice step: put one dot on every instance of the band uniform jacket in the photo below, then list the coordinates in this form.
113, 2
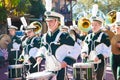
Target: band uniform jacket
14, 46
99, 42
30, 47
63, 40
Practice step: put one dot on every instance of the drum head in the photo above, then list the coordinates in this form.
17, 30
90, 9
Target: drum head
44, 75
83, 65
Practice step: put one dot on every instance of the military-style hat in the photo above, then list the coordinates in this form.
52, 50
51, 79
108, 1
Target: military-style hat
54, 15
12, 27
96, 18
51, 15
30, 27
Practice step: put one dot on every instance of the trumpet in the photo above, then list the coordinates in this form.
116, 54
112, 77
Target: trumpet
110, 17
38, 26
84, 24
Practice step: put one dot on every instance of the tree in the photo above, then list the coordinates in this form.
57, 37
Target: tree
37, 8
3, 13
104, 5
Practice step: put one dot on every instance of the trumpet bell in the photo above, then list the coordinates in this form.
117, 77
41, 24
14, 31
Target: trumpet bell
110, 17
38, 27
84, 24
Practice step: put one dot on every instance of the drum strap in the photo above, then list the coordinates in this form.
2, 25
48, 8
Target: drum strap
56, 39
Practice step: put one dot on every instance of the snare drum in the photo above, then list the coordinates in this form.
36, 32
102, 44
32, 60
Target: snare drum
83, 71
15, 71
44, 75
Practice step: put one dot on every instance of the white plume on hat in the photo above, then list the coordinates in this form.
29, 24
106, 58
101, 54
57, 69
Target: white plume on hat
94, 10
24, 22
49, 14
118, 18
48, 5
9, 21
95, 15
10, 26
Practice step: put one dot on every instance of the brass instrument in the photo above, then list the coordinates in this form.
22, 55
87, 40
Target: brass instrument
38, 27
84, 24
110, 17
114, 47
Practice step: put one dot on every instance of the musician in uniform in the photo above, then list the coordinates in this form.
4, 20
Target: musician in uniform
97, 42
31, 45
14, 48
115, 48
56, 42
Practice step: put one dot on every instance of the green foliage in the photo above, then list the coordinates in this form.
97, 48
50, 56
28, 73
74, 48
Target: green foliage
3, 13
37, 8
104, 5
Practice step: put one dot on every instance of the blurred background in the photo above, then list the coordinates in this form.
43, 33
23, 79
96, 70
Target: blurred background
34, 10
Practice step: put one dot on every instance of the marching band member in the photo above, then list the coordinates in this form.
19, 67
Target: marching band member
97, 42
31, 45
76, 37
115, 48
56, 42
14, 48
65, 29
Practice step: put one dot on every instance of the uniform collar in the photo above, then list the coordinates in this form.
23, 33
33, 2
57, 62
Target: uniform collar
53, 33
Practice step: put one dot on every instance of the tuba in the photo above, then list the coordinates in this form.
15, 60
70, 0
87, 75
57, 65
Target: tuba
84, 24
38, 27
110, 17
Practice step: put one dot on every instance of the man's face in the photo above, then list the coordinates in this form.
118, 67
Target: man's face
30, 33
96, 26
52, 24
12, 32
117, 29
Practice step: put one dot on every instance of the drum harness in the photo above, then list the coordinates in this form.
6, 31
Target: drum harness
93, 44
56, 41
26, 53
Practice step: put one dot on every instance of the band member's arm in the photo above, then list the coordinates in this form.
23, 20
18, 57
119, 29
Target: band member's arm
66, 39
103, 49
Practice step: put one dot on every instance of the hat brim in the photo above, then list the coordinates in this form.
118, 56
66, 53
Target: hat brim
48, 19
30, 27
52, 18
12, 27
97, 19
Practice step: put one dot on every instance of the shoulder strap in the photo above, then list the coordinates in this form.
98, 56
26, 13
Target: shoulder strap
32, 40
44, 38
100, 36
57, 37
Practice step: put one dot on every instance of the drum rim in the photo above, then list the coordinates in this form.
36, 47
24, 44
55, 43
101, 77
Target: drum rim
85, 65
16, 66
